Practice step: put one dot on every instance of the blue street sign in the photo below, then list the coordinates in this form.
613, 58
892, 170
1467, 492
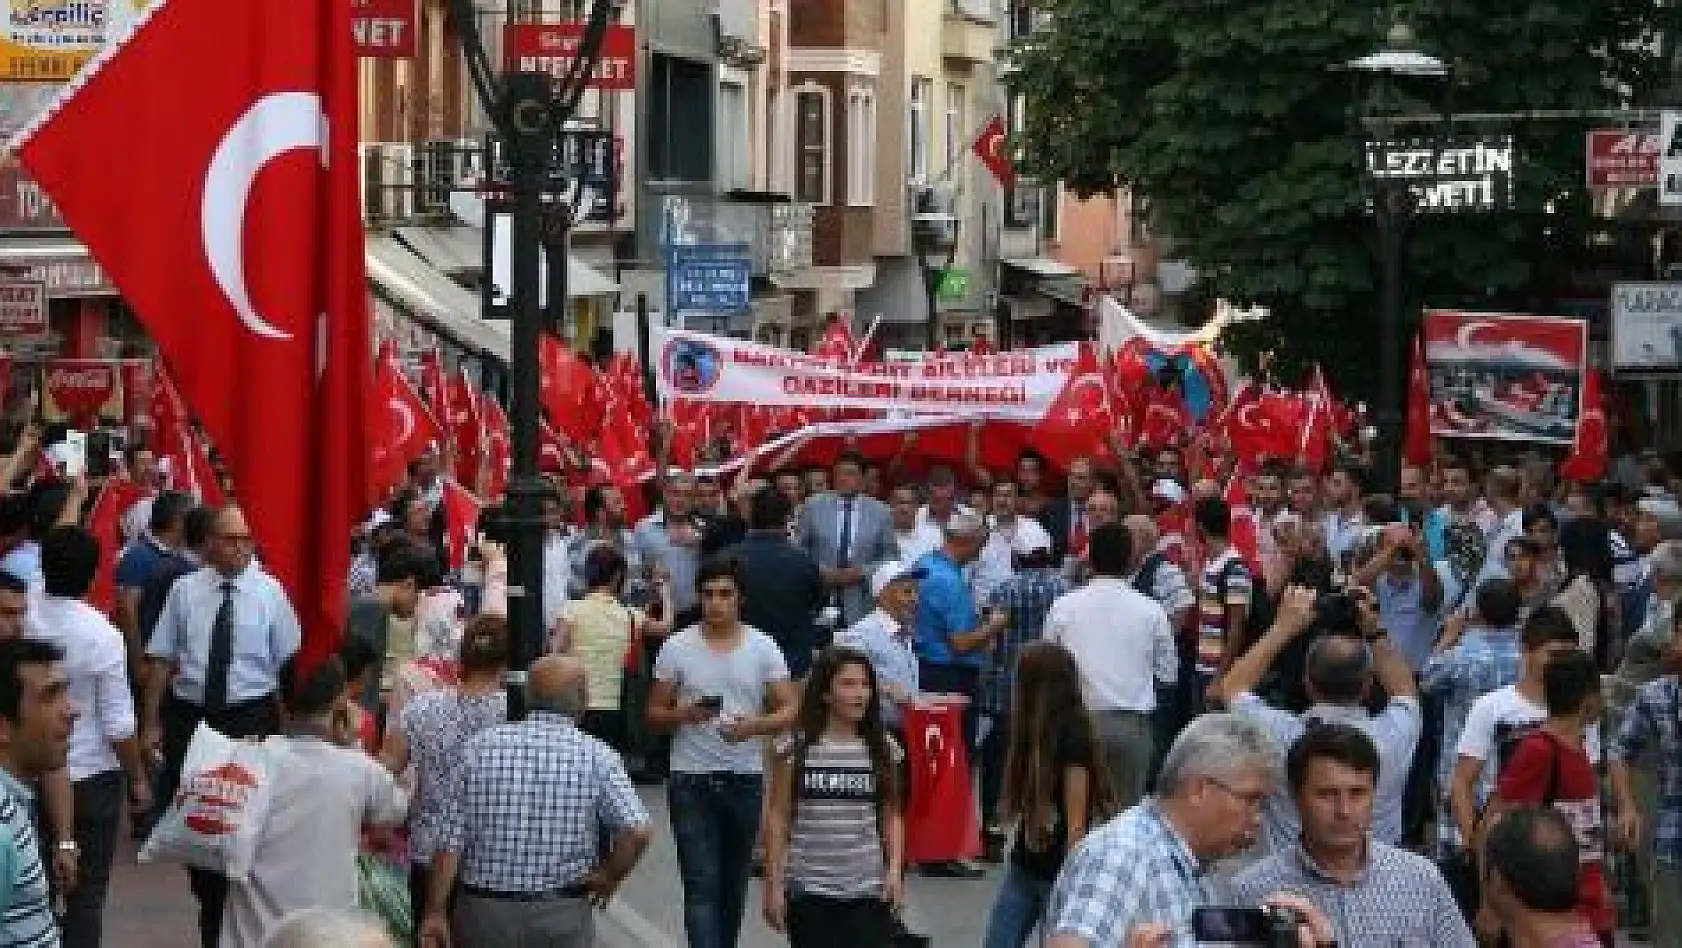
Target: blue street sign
715, 278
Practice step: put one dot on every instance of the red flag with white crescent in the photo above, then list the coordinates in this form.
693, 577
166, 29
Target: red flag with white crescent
1591, 449
570, 391
991, 148
105, 522
467, 430
233, 228
461, 520
1081, 419
400, 425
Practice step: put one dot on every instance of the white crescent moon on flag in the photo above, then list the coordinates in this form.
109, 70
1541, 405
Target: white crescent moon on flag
1244, 419
1464, 337
990, 145
275, 124
407, 415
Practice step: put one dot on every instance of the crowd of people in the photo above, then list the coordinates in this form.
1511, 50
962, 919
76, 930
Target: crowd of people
1445, 715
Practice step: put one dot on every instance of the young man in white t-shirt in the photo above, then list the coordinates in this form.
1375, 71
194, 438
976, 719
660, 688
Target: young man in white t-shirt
1499, 719
712, 685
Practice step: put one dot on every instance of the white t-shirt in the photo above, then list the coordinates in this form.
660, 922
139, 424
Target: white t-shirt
1495, 725
742, 677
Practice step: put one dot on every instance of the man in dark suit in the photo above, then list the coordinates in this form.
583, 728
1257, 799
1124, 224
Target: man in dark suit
781, 588
1065, 518
849, 534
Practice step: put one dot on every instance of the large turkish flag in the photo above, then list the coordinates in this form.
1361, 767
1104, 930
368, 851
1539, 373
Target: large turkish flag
208, 160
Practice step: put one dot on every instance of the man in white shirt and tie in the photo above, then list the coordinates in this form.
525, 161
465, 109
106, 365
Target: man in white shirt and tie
223, 634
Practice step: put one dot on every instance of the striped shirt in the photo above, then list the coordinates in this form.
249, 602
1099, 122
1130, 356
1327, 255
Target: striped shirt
26, 918
835, 846
1226, 582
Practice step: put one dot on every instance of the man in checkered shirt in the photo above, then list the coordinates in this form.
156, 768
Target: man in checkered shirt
1146, 871
1651, 737
536, 797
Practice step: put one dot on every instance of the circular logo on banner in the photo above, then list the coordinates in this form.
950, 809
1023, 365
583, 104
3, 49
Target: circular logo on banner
692, 366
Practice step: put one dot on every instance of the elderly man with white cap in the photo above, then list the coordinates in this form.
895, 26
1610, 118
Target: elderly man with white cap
886, 636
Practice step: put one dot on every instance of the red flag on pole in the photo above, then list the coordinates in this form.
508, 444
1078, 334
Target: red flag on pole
990, 147
234, 230
499, 449
1416, 446
837, 342
467, 429
1589, 452
461, 519
570, 392
105, 522
1080, 420
400, 426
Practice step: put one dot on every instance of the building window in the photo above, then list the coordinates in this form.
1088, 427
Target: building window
922, 90
734, 138
811, 145
680, 113
861, 147
954, 131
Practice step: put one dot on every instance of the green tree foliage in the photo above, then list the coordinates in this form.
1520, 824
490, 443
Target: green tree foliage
1232, 119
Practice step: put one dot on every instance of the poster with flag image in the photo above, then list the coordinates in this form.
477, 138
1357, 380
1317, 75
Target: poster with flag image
1505, 377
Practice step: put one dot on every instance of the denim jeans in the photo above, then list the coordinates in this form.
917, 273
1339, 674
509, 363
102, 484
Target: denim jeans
98, 809
995, 752
1017, 910
715, 822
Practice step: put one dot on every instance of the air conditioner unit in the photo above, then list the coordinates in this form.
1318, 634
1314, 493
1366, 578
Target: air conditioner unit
394, 199
437, 172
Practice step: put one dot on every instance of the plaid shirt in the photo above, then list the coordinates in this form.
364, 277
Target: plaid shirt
1027, 596
1485, 660
534, 798
1132, 870
1654, 722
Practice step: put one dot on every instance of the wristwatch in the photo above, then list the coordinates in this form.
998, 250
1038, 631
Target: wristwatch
68, 846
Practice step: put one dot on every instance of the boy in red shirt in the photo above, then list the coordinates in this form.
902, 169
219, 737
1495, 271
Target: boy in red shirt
1550, 767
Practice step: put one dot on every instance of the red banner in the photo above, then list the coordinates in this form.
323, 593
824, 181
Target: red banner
384, 29
80, 391
553, 47
137, 391
1511, 378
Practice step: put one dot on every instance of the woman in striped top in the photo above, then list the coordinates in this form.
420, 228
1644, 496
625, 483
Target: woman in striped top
835, 831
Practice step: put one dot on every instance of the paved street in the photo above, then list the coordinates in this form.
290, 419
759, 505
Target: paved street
151, 907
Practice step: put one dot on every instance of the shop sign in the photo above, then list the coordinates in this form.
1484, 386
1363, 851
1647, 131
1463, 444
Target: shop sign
384, 29
25, 205
1623, 158
1460, 173
23, 308
552, 48
1647, 327
50, 40
80, 391
62, 276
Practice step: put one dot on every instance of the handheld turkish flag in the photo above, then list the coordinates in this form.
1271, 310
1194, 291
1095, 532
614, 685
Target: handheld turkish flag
1588, 458
1245, 529
461, 520
234, 230
499, 449
401, 425
434, 387
1164, 417
837, 343
570, 391
1314, 448
1416, 444
105, 522
1079, 422
467, 430
990, 148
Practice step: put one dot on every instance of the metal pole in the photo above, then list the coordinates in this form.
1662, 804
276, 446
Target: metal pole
643, 334
931, 291
531, 120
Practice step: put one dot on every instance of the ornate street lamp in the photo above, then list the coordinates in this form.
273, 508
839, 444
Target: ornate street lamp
934, 238
529, 112
1393, 207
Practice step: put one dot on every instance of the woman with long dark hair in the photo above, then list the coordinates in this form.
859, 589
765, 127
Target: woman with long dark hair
1056, 787
835, 829
1585, 547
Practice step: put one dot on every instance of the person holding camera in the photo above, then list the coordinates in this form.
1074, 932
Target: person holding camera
1141, 879
1373, 892
1348, 655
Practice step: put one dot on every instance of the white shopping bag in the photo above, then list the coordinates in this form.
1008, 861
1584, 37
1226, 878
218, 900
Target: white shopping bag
219, 808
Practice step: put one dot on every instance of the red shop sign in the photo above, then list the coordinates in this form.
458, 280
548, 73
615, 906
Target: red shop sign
23, 308
551, 48
1623, 158
384, 29
81, 390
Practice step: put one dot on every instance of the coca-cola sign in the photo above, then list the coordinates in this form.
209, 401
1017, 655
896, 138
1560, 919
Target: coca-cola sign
79, 391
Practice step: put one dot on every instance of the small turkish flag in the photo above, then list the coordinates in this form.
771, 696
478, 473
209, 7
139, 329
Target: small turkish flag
1164, 417
1245, 529
234, 231
571, 393
105, 523
434, 387
467, 431
461, 520
499, 448
990, 148
1588, 458
401, 426
837, 343
1416, 445
1080, 420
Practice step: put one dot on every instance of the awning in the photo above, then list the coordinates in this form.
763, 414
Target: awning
431, 297
1043, 267
451, 249
585, 280
58, 261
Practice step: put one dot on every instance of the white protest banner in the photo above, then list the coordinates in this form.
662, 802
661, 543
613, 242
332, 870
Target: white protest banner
1023, 383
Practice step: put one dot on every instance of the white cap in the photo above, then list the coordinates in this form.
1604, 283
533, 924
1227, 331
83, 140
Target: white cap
1169, 491
889, 573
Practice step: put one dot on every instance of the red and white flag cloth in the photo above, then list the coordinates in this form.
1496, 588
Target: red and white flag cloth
400, 425
1590, 451
837, 343
1416, 441
467, 428
234, 231
1314, 447
461, 520
1244, 532
991, 147
499, 449
570, 391
1081, 419
435, 388
105, 522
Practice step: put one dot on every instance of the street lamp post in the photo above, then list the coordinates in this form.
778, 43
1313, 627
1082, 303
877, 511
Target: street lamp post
934, 239
1393, 208
529, 111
